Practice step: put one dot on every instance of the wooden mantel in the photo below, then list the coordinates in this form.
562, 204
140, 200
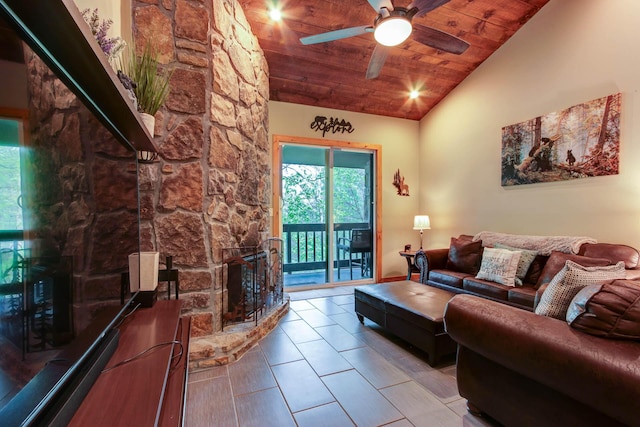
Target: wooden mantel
56, 31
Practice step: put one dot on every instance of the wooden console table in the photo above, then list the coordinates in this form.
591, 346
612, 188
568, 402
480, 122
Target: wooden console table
411, 267
150, 390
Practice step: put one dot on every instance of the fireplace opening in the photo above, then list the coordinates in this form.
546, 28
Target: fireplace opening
253, 284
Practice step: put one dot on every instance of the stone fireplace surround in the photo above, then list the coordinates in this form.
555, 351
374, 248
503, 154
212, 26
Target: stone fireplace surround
210, 188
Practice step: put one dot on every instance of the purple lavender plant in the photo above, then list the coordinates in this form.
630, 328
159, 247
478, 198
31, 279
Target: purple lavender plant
111, 46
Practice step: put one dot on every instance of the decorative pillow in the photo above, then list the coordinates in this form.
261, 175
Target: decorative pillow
557, 260
464, 256
569, 281
607, 310
499, 265
526, 258
535, 269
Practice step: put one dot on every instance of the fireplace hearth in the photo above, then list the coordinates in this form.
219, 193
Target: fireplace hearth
250, 305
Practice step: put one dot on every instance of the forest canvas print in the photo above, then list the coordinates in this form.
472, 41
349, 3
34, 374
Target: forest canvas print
578, 142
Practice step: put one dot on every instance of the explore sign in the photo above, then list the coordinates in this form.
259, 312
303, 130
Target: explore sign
320, 124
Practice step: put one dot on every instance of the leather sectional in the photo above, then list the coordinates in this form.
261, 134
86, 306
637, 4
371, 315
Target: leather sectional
435, 271
523, 369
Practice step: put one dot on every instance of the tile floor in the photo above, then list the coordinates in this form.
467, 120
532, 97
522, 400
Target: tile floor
321, 367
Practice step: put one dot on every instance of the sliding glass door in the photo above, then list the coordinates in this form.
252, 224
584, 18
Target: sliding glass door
327, 196
352, 214
304, 172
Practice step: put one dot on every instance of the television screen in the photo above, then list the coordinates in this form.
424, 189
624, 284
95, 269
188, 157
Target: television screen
68, 221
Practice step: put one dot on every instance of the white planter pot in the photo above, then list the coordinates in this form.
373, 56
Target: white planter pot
150, 122
143, 271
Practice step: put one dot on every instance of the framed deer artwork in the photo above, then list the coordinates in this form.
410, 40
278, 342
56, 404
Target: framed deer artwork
398, 182
578, 142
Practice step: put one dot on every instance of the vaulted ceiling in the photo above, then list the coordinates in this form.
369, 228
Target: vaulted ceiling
332, 74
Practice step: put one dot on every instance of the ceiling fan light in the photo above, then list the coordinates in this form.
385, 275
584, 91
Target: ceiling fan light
392, 31
275, 14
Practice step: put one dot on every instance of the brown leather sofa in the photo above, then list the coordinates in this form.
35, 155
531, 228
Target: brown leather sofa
433, 265
522, 369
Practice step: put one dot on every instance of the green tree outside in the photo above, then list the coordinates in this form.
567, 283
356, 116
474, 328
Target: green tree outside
303, 192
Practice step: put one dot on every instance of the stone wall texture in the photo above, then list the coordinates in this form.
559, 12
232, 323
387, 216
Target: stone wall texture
210, 188
80, 195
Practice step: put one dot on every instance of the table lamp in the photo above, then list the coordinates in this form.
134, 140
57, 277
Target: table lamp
421, 222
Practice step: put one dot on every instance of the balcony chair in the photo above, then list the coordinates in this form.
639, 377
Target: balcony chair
360, 243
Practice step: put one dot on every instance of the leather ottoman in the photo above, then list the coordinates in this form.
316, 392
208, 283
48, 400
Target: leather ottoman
412, 311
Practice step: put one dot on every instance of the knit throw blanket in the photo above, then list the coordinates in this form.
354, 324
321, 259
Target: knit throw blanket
544, 245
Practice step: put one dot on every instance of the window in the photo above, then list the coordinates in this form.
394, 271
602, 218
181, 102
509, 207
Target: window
11, 213
10, 181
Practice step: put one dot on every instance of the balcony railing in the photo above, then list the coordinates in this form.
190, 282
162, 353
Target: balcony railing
305, 245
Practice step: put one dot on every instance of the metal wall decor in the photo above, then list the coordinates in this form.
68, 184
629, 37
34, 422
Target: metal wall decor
398, 182
332, 125
578, 142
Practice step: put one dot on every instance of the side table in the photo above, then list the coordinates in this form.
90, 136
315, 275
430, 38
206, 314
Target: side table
411, 267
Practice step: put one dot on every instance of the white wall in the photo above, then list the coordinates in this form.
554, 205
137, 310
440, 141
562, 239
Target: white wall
118, 11
572, 51
399, 141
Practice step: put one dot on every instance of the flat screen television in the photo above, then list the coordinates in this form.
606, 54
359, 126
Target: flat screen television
69, 218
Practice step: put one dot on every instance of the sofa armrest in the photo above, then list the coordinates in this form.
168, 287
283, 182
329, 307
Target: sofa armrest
592, 370
430, 260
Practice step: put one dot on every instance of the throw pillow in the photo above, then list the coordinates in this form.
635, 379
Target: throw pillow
557, 297
607, 310
526, 258
499, 265
557, 260
464, 256
536, 269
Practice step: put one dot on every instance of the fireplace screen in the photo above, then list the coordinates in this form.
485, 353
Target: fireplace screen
252, 282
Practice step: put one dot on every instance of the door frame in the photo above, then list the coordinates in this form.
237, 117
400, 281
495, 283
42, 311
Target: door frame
276, 187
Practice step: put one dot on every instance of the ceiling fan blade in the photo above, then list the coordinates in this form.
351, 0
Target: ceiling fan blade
337, 35
425, 6
439, 40
378, 58
379, 4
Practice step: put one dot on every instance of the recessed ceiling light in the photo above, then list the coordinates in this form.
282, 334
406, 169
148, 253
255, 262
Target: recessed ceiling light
414, 94
275, 14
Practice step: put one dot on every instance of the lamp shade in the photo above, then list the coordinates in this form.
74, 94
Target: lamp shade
421, 222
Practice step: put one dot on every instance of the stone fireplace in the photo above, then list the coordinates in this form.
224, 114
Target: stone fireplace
211, 187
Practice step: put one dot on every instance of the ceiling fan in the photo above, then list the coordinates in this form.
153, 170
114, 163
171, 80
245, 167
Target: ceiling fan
391, 27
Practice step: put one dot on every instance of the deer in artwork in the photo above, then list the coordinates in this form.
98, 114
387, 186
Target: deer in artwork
398, 182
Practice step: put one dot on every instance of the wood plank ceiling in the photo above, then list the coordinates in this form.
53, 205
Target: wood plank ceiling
332, 74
